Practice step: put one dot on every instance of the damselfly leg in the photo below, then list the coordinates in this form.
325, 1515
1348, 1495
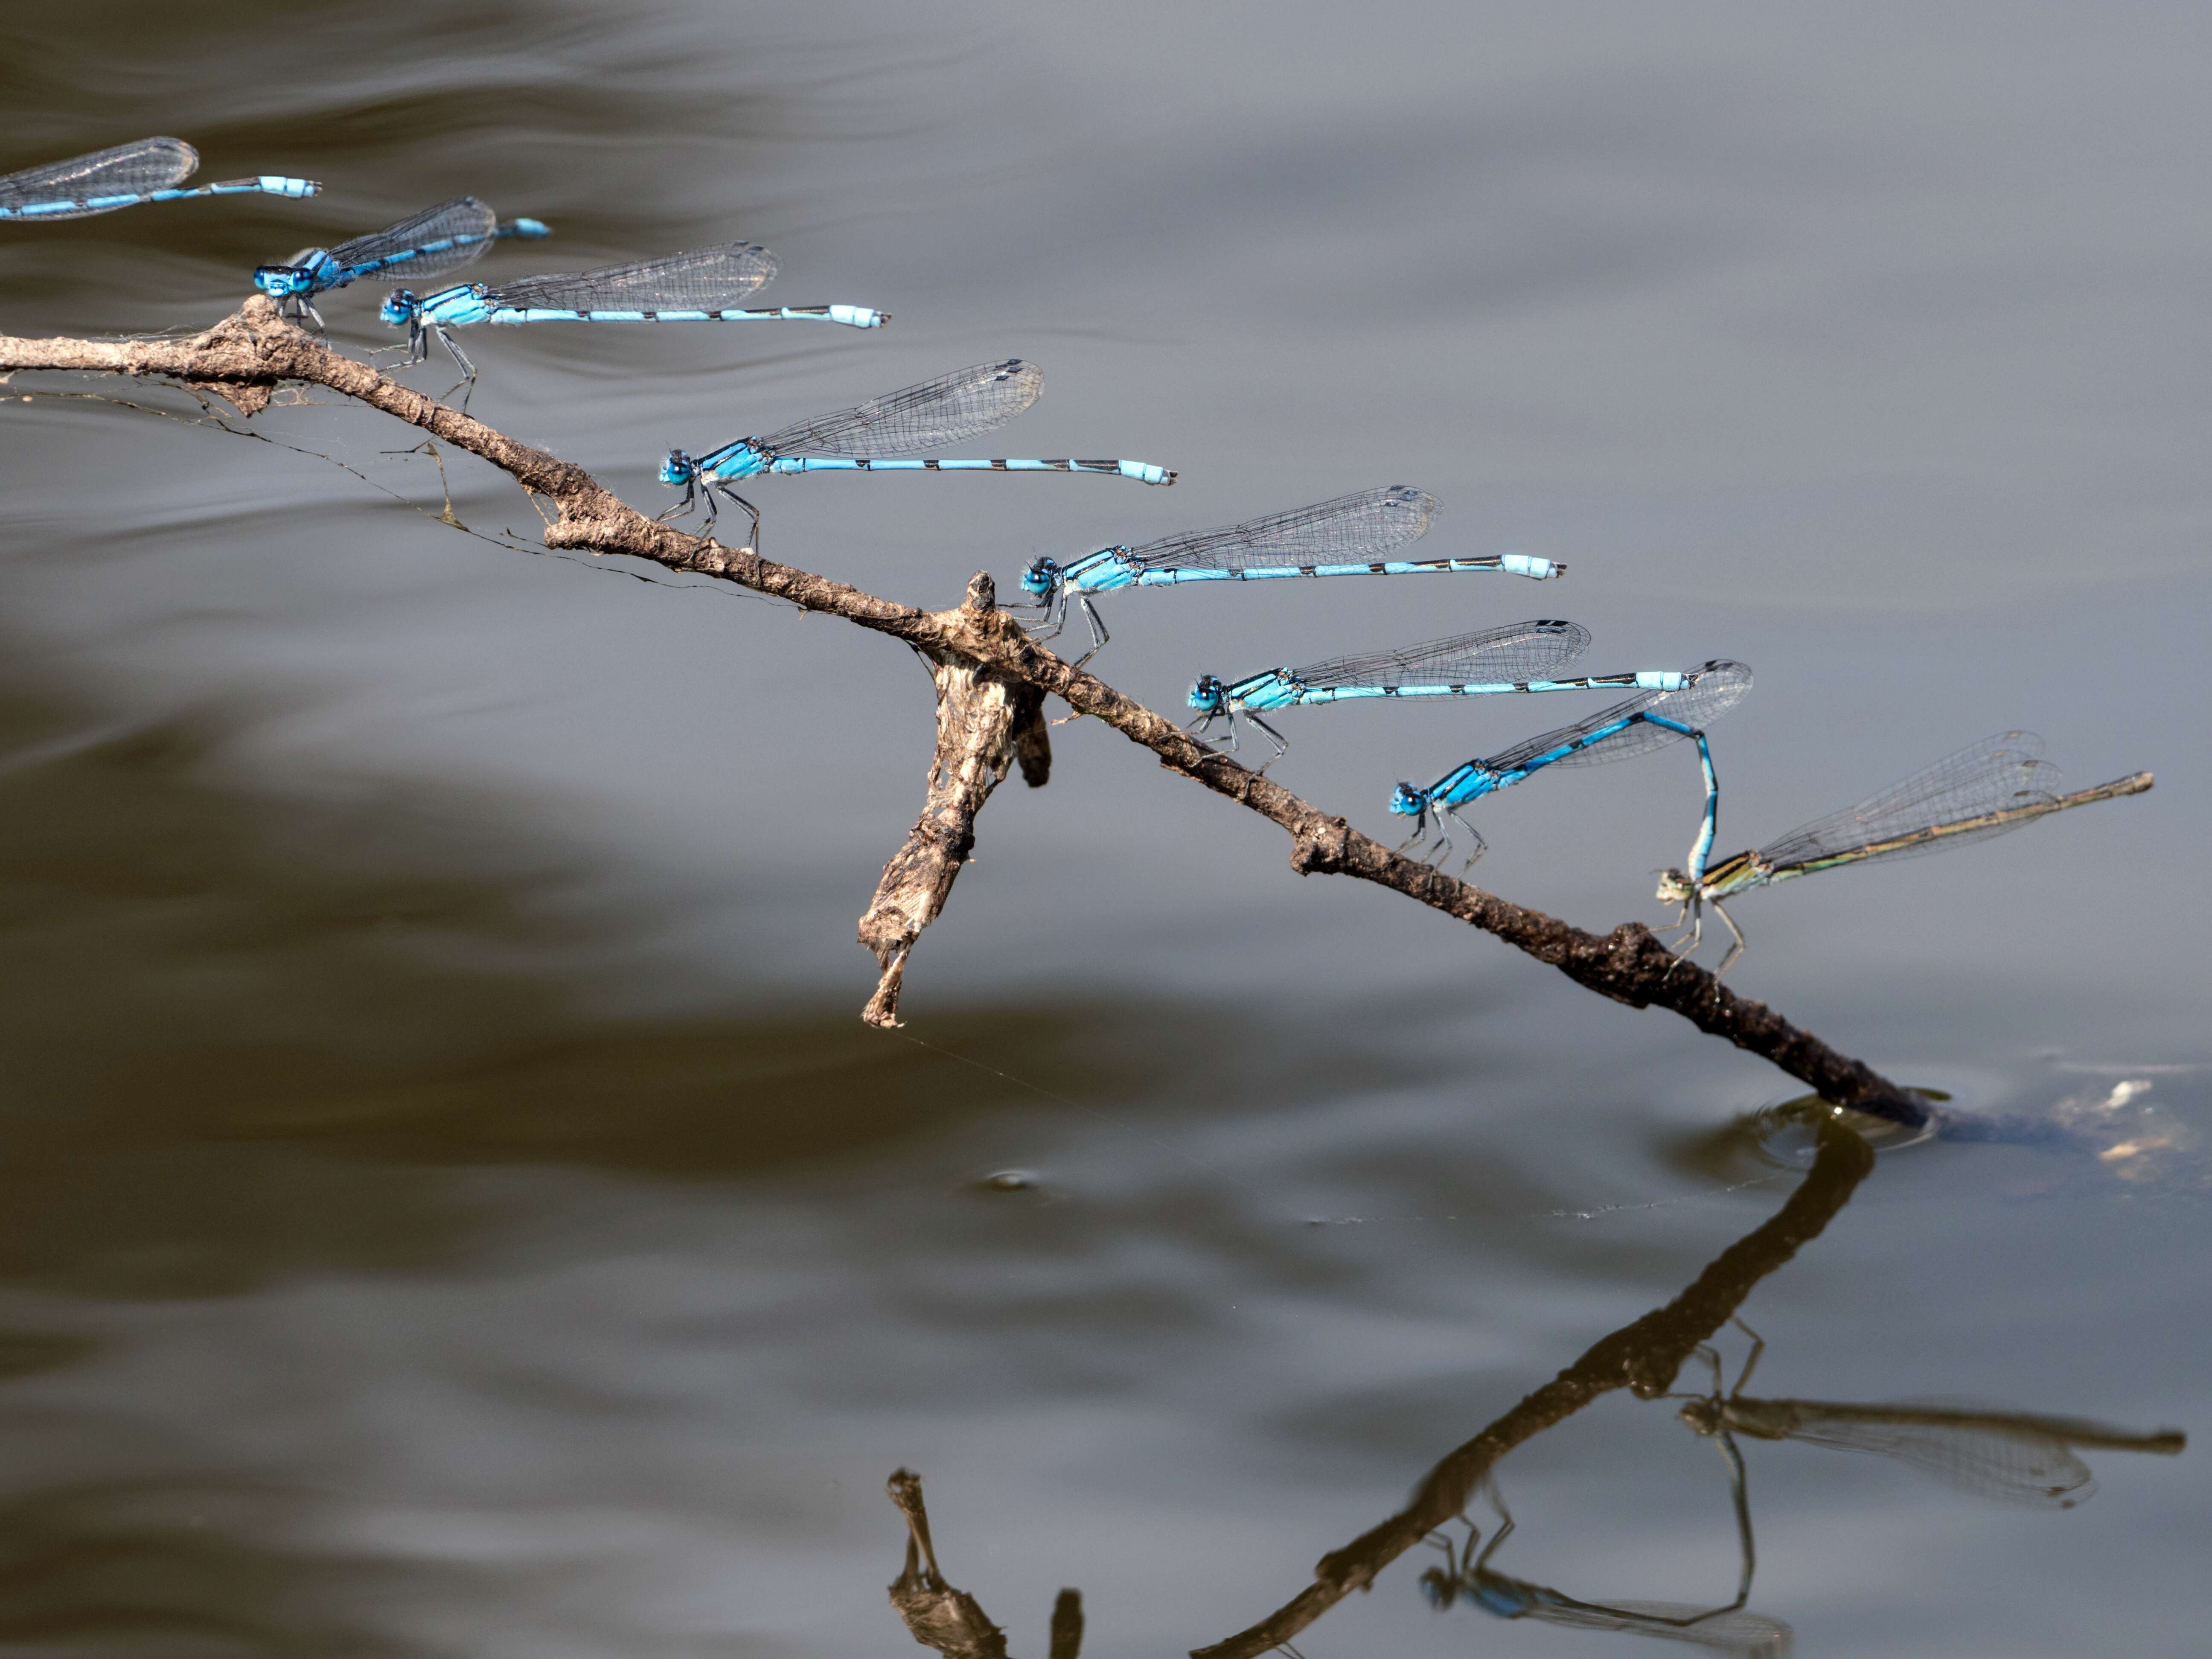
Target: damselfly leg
1712, 1356
1750, 1360
1684, 948
1473, 835
684, 506
753, 542
1696, 911
1098, 624
468, 370
1504, 1523
1282, 743
1734, 949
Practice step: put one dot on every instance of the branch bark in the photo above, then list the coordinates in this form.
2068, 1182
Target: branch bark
255, 350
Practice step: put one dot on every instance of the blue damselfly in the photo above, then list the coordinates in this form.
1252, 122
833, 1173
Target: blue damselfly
426, 244
1648, 720
703, 286
1345, 537
1519, 657
148, 170
950, 409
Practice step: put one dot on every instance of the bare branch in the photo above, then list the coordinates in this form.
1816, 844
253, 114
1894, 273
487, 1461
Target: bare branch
255, 350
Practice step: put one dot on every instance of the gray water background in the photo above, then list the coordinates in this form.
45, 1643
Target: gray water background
452, 1206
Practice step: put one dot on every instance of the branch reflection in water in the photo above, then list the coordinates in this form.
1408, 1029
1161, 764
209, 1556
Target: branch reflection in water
1642, 1357
951, 1620
1986, 1449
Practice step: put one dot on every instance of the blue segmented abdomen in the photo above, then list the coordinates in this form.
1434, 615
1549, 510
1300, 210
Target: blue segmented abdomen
850, 316
1344, 693
1143, 472
400, 258
267, 185
1517, 564
96, 204
1643, 680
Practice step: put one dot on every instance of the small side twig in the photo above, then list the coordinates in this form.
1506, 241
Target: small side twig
984, 721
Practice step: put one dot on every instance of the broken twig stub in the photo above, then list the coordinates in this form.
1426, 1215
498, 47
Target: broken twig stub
984, 721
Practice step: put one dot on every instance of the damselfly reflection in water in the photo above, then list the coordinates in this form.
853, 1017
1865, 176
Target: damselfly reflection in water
2015, 1456
1467, 1576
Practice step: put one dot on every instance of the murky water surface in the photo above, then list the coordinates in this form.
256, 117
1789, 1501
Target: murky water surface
449, 1204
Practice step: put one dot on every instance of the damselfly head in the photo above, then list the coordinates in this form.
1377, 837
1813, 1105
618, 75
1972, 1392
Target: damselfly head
1205, 695
283, 281
1440, 1587
678, 468
1407, 801
1041, 578
1703, 1415
1673, 887
400, 307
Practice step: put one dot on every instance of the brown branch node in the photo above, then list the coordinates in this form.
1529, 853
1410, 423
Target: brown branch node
1321, 848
